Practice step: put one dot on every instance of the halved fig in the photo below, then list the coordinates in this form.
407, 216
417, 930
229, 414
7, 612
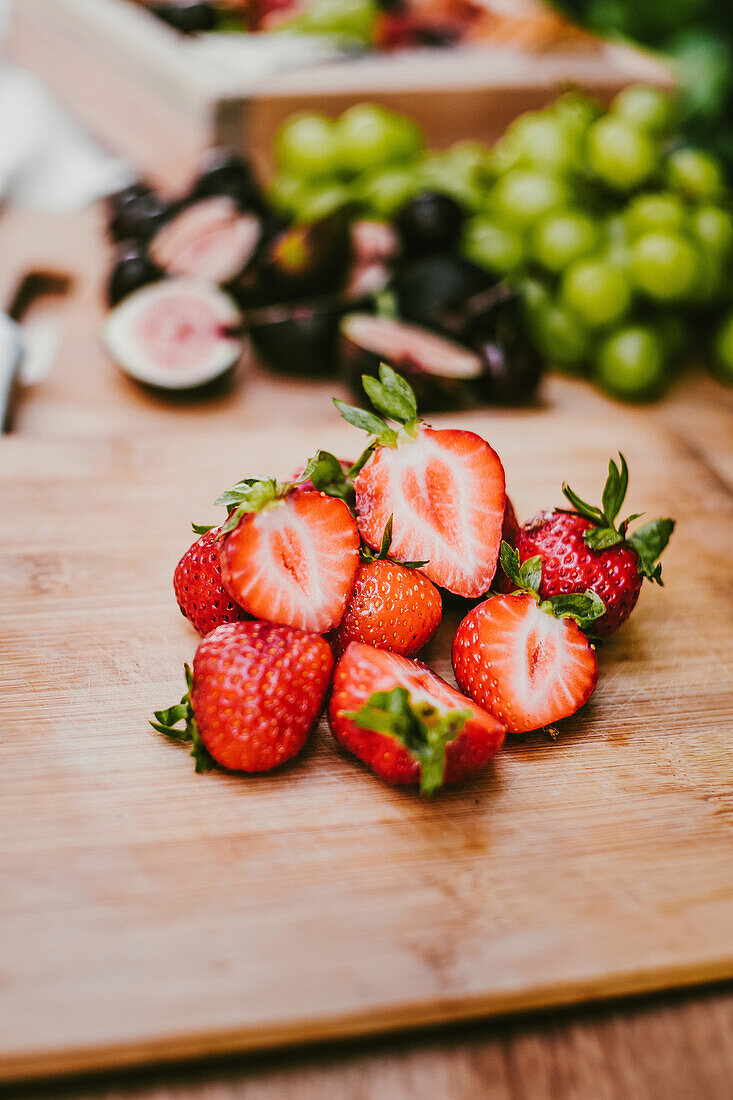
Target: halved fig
175, 334
373, 241
300, 338
210, 239
443, 373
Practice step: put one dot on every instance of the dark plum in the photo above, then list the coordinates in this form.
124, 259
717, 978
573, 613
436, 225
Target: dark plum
429, 222
299, 339
433, 291
186, 16
138, 216
303, 261
132, 268
512, 366
443, 373
224, 172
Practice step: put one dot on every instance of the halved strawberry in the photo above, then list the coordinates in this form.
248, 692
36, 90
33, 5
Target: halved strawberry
407, 723
445, 489
289, 556
528, 663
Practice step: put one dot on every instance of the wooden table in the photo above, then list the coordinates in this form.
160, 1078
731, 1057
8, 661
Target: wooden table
680, 1045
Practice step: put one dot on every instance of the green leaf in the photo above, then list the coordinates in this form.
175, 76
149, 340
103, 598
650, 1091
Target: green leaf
582, 507
649, 541
361, 461
531, 574
584, 607
420, 727
366, 422
326, 473
614, 491
169, 723
414, 564
510, 564
202, 528
251, 495
203, 760
601, 538
399, 386
386, 401
386, 538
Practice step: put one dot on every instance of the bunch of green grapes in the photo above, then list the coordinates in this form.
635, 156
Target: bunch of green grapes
622, 240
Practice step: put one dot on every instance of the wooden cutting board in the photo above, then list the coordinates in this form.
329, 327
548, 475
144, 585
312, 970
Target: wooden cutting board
150, 913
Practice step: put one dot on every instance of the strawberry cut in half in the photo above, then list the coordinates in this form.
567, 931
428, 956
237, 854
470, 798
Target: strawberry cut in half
255, 693
445, 489
288, 556
528, 662
406, 723
588, 549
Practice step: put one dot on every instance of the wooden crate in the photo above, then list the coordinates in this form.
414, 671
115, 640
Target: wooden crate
156, 98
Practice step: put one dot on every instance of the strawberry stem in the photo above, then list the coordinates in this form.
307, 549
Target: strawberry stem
584, 607
423, 730
168, 722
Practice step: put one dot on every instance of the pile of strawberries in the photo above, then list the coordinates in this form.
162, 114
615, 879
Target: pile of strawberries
344, 565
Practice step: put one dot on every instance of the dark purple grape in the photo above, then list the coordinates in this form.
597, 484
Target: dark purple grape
186, 16
132, 268
138, 216
224, 172
430, 222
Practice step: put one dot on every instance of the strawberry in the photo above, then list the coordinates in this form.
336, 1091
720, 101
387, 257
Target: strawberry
444, 488
405, 722
255, 693
586, 549
289, 555
393, 606
201, 596
527, 662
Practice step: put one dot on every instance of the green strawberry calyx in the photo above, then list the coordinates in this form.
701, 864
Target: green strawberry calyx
584, 607
424, 730
391, 396
648, 541
383, 554
169, 721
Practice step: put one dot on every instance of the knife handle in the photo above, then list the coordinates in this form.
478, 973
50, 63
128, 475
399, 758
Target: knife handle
11, 355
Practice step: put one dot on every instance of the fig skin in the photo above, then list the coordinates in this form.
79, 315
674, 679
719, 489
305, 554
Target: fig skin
304, 342
136, 217
513, 367
433, 290
131, 269
225, 173
186, 16
429, 222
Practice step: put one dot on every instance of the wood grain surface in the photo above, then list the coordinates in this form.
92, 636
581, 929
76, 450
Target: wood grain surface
154, 913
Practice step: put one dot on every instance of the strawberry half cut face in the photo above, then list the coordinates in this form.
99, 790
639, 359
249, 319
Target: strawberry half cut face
446, 492
294, 562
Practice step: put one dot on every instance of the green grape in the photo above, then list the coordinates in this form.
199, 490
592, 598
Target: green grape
306, 146
723, 350
468, 157
630, 364
535, 295
438, 173
562, 237
384, 190
560, 336
352, 19
539, 138
597, 291
695, 173
369, 136
494, 247
576, 112
673, 332
657, 211
318, 202
621, 155
522, 196
665, 266
649, 108
713, 228
286, 192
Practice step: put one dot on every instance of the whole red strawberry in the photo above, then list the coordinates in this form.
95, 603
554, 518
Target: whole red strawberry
524, 660
392, 606
197, 584
585, 549
444, 489
254, 695
406, 723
